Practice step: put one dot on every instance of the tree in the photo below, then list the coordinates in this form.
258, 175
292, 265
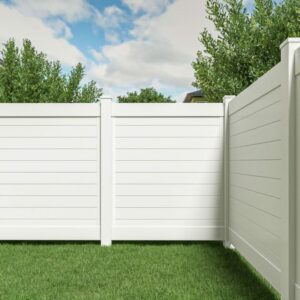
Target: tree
147, 95
247, 44
27, 76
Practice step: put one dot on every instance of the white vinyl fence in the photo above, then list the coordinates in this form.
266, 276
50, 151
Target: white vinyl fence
161, 171
167, 172
261, 165
49, 171
109, 171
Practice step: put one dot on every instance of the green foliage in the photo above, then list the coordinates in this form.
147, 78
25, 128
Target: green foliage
148, 95
247, 44
27, 76
136, 271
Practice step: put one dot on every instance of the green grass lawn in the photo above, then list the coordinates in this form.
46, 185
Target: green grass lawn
127, 271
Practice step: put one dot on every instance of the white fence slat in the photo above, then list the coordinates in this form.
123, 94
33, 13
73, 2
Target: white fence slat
168, 190
168, 154
48, 131
168, 131
171, 201
169, 166
167, 178
168, 143
48, 166
174, 121
154, 213
49, 201
10, 143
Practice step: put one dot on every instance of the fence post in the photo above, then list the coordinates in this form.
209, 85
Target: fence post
106, 171
288, 198
226, 101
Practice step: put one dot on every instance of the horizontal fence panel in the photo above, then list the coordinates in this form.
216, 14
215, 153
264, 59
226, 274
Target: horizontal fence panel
167, 178
168, 131
171, 201
153, 213
151, 190
49, 201
255, 166
168, 172
49, 172
168, 166
48, 143
167, 110
168, 154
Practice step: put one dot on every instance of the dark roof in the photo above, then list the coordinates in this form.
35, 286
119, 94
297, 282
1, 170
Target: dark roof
195, 94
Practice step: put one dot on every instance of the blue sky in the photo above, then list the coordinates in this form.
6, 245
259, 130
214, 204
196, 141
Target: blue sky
124, 44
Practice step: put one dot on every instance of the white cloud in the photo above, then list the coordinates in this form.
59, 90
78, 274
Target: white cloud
14, 24
111, 17
98, 56
161, 51
61, 29
71, 10
147, 6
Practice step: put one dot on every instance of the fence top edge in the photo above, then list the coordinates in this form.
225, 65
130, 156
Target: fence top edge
167, 110
49, 109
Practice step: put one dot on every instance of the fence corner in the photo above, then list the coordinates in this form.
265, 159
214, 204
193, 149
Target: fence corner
226, 101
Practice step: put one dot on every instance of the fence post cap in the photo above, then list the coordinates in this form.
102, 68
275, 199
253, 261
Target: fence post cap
228, 98
105, 98
289, 41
